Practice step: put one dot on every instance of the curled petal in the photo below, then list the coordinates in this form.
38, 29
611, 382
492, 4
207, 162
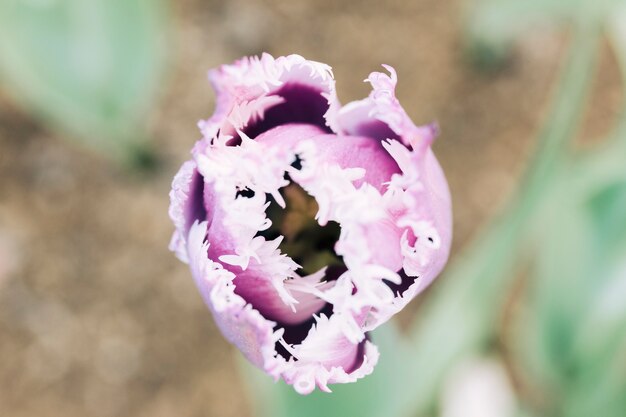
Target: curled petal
185, 206
257, 93
382, 117
419, 199
327, 357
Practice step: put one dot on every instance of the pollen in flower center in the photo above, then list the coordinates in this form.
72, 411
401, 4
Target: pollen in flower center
304, 240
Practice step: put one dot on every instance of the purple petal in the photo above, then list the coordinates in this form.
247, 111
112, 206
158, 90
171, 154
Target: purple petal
381, 116
257, 94
186, 205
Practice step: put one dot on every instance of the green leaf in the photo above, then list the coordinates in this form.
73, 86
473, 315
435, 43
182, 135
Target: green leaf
599, 342
617, 32
89, 67
493, 25
573, 334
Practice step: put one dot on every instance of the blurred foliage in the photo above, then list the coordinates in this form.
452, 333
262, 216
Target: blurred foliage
494, 25
88, 67
568, 221
573, 334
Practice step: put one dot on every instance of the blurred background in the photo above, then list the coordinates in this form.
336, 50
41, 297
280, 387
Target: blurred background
99, 101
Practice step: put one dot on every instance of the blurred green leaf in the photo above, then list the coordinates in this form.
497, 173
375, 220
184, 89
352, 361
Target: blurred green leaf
617, 32
573, 334
90, 67
599, 342
493, 25
374, 396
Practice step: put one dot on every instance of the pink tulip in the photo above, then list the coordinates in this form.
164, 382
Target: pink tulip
307, 224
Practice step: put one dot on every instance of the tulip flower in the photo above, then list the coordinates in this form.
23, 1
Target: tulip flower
307, 224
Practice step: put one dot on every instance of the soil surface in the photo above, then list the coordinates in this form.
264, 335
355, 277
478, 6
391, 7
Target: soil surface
98, 318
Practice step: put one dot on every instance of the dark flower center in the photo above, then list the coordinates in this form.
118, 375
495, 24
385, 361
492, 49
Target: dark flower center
305, 241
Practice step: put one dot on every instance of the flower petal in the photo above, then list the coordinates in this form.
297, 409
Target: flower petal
323, 357
186, 206
382, 117
255, 94
326, 356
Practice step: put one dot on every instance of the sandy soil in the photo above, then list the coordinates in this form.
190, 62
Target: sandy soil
97, 318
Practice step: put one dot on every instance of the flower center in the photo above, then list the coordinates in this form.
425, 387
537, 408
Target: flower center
305, 241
